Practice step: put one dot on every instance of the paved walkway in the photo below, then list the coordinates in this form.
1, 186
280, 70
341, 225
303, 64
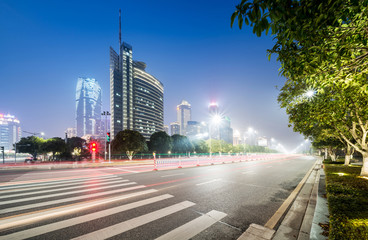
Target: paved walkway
301, 221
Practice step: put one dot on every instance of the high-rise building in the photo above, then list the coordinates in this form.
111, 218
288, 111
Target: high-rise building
136, 97
148, 104
226, 132
71, 132
166, 129
183, 113
174, 128
10, 131
88, 107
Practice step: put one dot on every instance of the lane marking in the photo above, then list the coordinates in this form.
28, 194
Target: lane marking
64, 200
124, 170
38, 216
271, 223
173, 175
194, 227
249, 172
135, 222
69, 183
47, 181
269, 167
112, 181
214, 180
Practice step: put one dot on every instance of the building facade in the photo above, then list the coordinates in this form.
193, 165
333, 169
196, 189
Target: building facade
136, 97
174, 128
88, 107
71, 132
10, 131
148, 104
184, 114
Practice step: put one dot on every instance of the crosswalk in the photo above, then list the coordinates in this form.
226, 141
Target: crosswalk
60, 208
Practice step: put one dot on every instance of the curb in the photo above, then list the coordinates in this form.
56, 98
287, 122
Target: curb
297, 222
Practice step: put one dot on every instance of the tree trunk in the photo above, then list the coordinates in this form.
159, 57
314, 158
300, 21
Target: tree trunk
326, 154
333, 157
130, 155
347, 159
364, 171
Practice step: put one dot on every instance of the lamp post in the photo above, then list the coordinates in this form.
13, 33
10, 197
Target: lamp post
105, 114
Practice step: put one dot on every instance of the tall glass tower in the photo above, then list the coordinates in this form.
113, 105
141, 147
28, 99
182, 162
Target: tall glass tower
88, 107
121, 86
184, 114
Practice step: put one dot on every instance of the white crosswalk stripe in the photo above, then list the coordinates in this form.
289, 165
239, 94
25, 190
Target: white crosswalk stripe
63, 189
26, 185
68, 183
65, 193
194, 227
89, 217
135, 222
84, 208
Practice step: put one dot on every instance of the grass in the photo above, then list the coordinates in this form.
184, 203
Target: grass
347, 195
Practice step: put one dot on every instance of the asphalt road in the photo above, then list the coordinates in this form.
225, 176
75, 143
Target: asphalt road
208, 202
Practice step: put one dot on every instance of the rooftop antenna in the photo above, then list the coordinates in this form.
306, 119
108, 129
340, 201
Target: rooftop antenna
119, 28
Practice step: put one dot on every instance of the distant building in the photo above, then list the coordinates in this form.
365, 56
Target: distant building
166, 129
213, 109
236, 138
262, 141
193, 129
10, 131
148, 103
88, 107
174, 128
226, 132
184, 114
71, 132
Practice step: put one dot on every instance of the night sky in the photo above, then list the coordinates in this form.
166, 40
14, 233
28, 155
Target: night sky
188, 45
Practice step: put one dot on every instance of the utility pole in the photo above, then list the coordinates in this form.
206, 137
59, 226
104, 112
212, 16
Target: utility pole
2, 150
106, 130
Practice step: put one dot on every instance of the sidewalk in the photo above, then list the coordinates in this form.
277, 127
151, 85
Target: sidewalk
301, 220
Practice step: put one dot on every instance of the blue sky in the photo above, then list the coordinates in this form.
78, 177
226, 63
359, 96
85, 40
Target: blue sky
188, 45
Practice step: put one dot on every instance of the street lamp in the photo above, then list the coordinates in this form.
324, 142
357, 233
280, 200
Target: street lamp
215, 120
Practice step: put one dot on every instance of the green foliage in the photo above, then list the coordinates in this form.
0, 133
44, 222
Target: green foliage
129, 142
347, 195
55, 145
160, 142
181, 144
321, 45
200, 146
31, 145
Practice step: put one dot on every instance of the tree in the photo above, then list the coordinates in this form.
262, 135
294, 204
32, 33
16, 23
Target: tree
77, 147
322, 46
200, 146
31, 145
160, 142
129, 142
181, 144
54, 145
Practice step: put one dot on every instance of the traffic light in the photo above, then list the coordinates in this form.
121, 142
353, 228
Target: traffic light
93, 146
108, 137
2, 149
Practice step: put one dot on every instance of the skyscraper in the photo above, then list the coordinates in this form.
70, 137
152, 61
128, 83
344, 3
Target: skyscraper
121, 86
10, 131
136, 97
148, 104
183, 113
88, 107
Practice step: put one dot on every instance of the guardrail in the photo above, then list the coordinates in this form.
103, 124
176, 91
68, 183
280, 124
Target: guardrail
191, 161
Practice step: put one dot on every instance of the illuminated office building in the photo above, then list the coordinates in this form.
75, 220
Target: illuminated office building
10, 131
88, 107
184, 114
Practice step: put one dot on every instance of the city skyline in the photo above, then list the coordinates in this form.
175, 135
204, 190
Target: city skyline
199, 59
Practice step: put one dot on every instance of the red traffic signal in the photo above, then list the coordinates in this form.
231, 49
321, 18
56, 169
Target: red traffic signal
93, 146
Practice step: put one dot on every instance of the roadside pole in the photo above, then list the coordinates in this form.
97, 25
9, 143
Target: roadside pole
109, 152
